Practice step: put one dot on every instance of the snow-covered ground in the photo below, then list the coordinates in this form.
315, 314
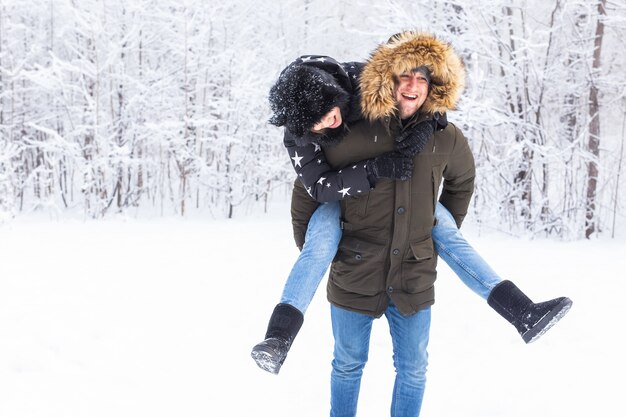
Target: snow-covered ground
157, 317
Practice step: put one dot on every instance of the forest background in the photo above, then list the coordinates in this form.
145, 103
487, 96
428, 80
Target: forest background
159, 107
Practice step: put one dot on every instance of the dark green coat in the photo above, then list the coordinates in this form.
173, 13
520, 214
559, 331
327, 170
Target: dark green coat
386, 250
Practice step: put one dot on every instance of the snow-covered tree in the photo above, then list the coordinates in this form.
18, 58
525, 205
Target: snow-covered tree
156, 105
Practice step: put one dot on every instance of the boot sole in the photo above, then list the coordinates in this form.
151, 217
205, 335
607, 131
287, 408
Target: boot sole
266, 360
547, 321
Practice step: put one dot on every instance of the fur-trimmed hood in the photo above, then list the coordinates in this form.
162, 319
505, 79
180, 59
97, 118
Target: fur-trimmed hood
402, 53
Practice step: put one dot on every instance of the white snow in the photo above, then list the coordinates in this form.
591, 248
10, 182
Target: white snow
157, 317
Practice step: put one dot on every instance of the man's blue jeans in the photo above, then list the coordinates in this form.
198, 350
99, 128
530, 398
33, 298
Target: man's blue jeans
409, 337
323, 236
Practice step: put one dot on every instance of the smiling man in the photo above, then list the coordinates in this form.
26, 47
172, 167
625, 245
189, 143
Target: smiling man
386, 262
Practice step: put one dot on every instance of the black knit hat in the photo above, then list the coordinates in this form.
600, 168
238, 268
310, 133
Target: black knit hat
425, 72
302, 95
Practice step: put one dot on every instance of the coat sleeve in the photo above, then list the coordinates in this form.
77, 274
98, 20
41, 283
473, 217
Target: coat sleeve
302, 208
459, 175
320, 181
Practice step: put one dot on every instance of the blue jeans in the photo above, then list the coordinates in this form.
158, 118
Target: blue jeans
409, 337
320, 246
460, 256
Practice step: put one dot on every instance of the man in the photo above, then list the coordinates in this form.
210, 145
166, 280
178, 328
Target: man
386, 262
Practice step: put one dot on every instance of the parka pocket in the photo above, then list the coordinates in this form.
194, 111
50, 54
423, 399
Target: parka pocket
418, 268
356, 206
358, 266
423, 250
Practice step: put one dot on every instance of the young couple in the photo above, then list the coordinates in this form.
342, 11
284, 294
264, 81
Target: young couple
372, 148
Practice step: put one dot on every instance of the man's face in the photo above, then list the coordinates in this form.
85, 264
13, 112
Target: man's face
410, 93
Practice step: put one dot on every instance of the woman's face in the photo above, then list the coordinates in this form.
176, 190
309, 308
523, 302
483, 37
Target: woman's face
330, 120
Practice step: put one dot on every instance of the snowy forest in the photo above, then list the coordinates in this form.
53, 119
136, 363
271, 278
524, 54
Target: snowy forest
160, 106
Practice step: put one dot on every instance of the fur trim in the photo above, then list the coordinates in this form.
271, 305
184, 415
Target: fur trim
404, 52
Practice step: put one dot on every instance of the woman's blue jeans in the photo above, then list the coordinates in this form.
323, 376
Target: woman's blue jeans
460, 256
409, 338
323, 236
320, 246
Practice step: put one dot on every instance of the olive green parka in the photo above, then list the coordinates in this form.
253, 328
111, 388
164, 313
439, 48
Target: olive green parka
387, 251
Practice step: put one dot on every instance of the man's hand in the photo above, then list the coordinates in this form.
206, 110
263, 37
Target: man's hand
412, 141
391, 165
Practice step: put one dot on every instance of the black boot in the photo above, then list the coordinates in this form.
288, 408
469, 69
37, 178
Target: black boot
283, 327
531, 320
